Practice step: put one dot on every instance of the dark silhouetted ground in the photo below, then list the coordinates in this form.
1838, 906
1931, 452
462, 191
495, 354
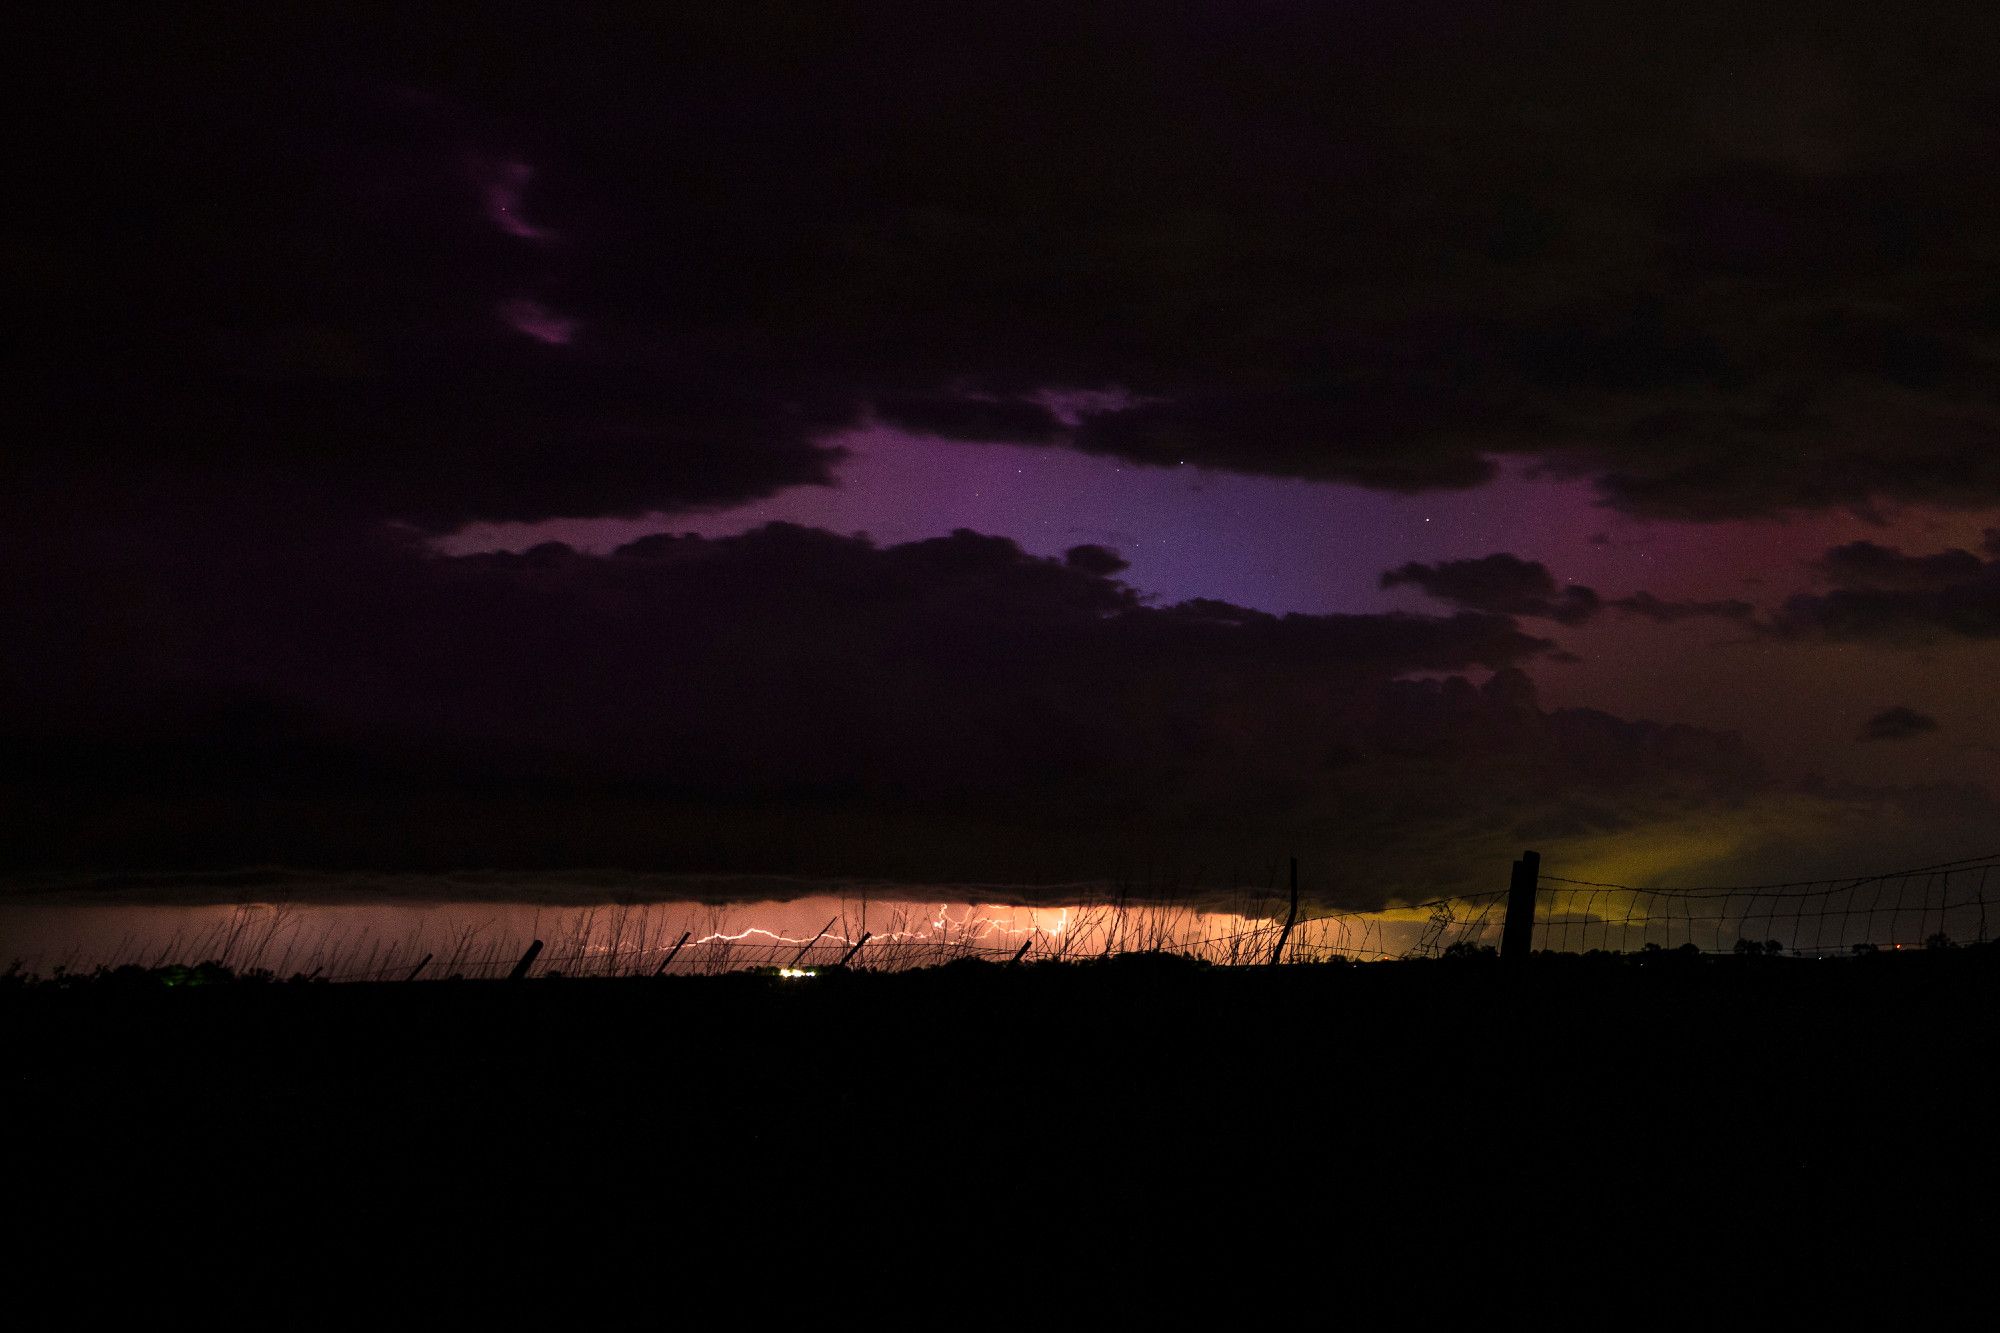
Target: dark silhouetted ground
974, 1129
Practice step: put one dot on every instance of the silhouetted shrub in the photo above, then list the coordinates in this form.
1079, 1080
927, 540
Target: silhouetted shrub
1759, 948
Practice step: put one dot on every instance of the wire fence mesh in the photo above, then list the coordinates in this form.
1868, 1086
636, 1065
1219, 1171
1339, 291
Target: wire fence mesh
1929, 907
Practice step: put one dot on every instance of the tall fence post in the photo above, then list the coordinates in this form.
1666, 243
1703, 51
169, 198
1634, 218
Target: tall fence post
527, 961
1291, 917
668, 960
814, 940
1517, 937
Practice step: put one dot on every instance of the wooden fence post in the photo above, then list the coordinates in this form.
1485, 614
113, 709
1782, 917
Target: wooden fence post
422, 963
848, 957
671, 952
814, 940
527, 961
1291, 916
1517, 937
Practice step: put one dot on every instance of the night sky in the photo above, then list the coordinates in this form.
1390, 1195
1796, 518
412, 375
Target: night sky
1026, 444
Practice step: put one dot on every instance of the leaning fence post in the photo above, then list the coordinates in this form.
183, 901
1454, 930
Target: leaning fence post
422, 963
527, 961
661, 969
848, 957
814, 940
1291, 915
1517, 937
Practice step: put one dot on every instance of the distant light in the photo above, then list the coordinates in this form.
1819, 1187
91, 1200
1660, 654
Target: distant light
796, 972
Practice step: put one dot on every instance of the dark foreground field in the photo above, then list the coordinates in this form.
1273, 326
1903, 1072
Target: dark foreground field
980, 1133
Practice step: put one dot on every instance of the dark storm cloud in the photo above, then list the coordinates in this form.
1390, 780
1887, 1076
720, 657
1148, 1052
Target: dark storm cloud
1725, 260
1878, 593
771, 656
1866, 564
1506, 584
789, 700
1094, 559
1501, 583
1649, 607
1897, 724
267, 258
987, 420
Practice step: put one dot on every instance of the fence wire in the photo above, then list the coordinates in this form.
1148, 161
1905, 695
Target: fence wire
1929, 907
1428, 929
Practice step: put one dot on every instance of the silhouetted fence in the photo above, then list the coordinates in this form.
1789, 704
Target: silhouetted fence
1926, 908
1930, 907
1427, 929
